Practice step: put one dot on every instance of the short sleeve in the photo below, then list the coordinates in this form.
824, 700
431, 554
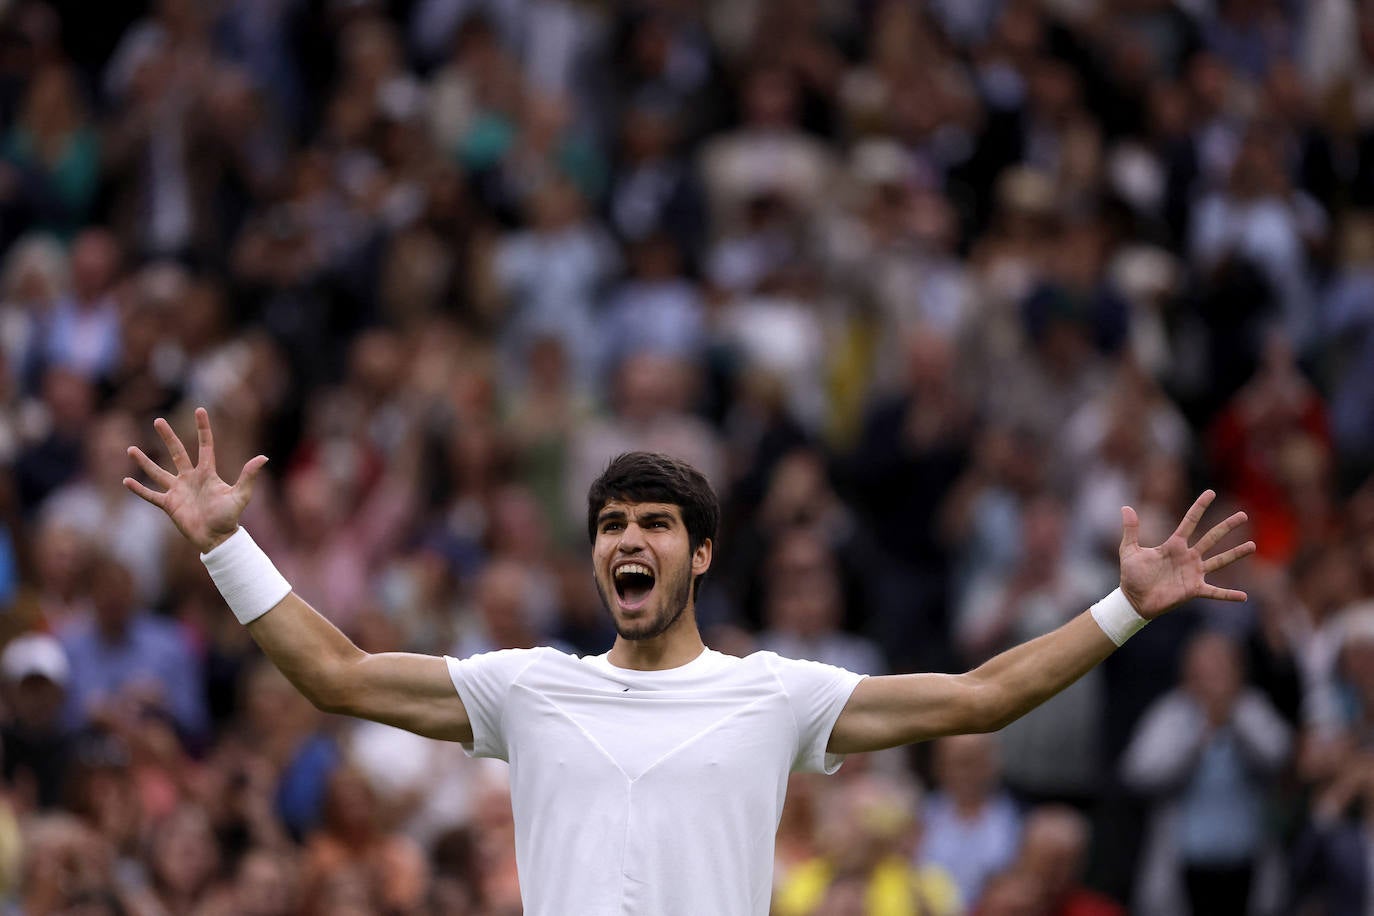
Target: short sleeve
483, 683
817, 694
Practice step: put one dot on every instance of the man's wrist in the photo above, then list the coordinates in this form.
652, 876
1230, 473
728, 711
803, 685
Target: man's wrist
1117, 617
216, 540
249, 582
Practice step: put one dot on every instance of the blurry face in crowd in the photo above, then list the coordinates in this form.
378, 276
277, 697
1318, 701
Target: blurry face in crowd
36, 702
265, 885
107, 458
1212, 669
644, 566
1013, 894
770, 98
95, 258
966, 767
1053, 848
1042, 531
312, 503
647, 385
804, 589
112, 593
185, 852
350, 807
502, 602
865, 821
60, 556
647, 134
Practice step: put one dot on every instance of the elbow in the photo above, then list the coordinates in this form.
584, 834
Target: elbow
328, 691
328, 701
990, 709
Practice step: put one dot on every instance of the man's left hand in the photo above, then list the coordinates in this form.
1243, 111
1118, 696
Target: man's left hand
1157, 579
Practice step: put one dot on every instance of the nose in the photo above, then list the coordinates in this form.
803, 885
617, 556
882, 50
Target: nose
631, 539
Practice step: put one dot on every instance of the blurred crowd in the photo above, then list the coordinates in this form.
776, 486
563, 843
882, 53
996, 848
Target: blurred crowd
927, 289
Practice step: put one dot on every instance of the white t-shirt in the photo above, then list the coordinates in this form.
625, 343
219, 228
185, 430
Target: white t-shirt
649, 793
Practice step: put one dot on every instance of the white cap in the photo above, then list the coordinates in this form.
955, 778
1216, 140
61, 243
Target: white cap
35, 653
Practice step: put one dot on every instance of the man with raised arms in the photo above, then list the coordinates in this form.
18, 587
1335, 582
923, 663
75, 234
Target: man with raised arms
648, 781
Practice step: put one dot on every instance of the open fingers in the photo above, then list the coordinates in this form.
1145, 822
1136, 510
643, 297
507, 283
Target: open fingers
143, 492
1214, 536
1226, 558
248, 475
206, 457
156, 472
1223, 594
180, 459
1194, 515
1130, 530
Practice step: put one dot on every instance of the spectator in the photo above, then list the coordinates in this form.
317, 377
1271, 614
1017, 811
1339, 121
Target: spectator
657, 309
112, 519
1054, 849
1331, 859
34, 277
551, 277
57, 592
185, 857
1347, 323
1053, 753
867, 830
57, 150
352, 836
803, 608
972, 827
653, 192
508, 611
652, 396
125, 661
1206, 753
37, 745
767, 156
82, 332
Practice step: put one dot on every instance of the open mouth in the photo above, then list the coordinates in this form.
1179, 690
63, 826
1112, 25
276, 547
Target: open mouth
633, 583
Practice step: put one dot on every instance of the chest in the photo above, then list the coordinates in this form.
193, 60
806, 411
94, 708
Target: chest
623, 736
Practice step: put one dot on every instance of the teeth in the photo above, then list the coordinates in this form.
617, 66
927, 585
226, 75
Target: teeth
633, 568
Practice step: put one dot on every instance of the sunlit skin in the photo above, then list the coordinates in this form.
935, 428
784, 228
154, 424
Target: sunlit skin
657, 629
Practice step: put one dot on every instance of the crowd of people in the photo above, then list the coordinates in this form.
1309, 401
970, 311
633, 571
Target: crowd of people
928, 290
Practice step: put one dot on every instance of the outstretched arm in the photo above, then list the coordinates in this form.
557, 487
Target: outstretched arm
413, 692
901, 709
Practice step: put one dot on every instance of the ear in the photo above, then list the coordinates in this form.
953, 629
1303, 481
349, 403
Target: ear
701, 557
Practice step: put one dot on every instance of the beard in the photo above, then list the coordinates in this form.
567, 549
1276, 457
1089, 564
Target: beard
676, 596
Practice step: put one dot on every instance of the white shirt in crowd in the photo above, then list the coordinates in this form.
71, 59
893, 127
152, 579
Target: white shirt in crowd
649, 792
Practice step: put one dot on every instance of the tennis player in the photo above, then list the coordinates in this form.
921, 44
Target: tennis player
648, 781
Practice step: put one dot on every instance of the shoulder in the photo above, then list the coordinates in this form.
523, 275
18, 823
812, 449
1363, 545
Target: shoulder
510, 659
798, 675
776, 663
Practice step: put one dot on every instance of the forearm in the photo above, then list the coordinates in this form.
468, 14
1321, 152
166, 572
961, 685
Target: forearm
892, 711
313, 653
1021, 678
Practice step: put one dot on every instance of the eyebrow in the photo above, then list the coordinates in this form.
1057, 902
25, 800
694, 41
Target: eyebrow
619, 515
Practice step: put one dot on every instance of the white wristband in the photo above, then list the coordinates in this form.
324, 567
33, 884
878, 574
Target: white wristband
1117, 618
250, 584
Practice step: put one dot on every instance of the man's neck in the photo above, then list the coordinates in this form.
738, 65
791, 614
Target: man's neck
672, 649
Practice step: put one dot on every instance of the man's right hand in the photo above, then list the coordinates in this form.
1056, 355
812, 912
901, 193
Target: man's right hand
204, 508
